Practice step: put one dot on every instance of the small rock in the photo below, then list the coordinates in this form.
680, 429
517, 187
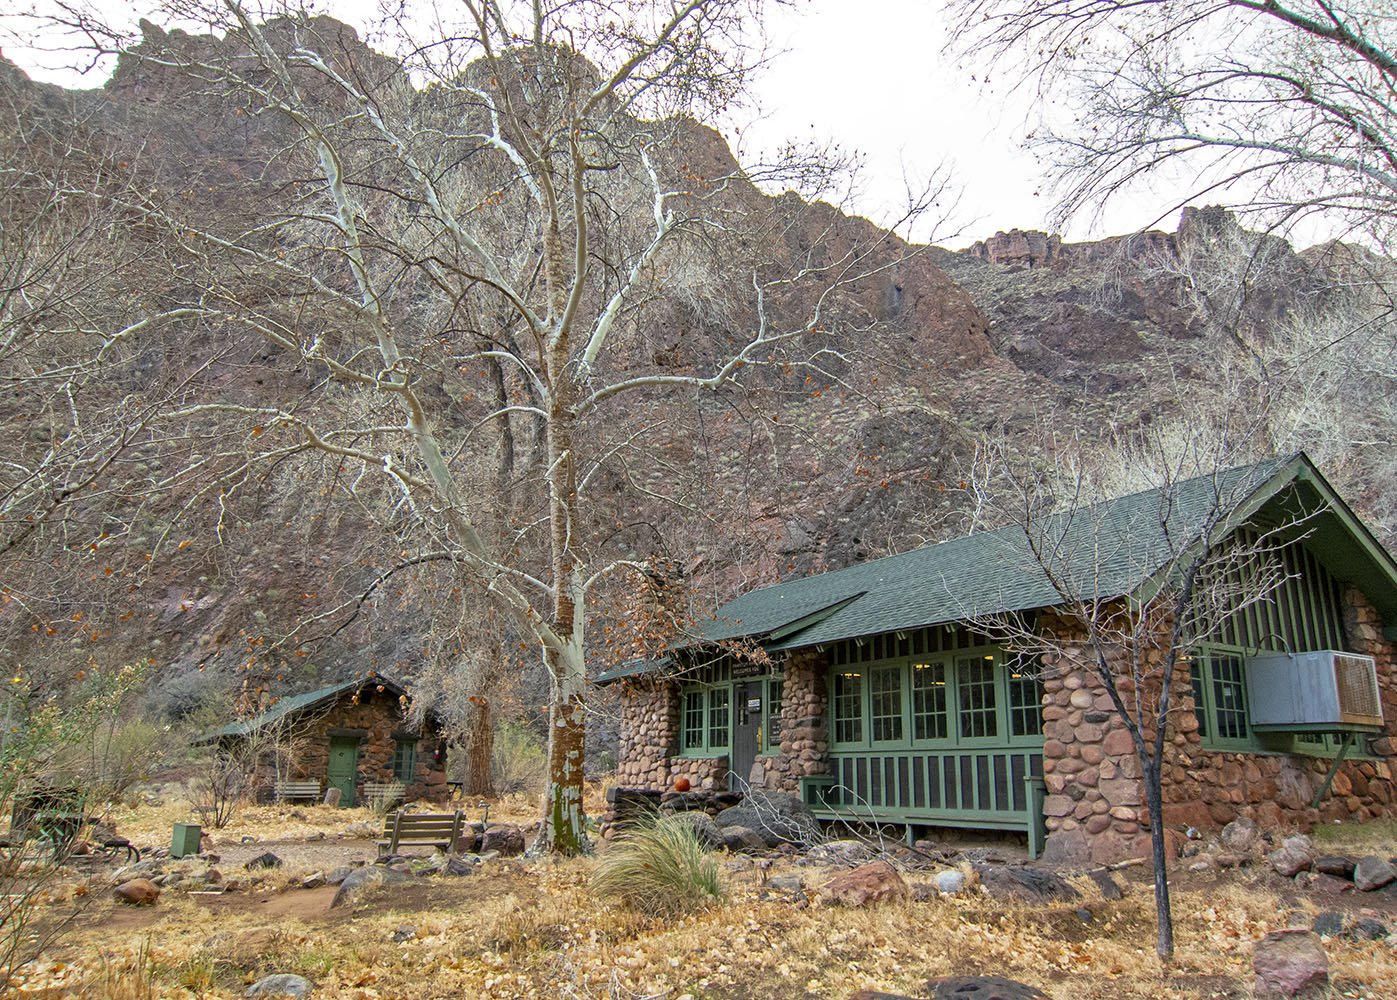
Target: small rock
1231, 859
923, 892
361, 829
281, 983
338, 875
137, 892
1289, 962
405, 933
1368, 929
506, 838
213, 877
172, 879
788, 883
268, 860
1084, 915
457, 865
1240, 834
1027, 883
1328, 924
1290, 859
949, 882
1200, 866
314, 881
1110, 888
1372, 873
875, 882
1335, 867
247, 840
840, 852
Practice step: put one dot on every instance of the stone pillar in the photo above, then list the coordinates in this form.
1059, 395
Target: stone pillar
804, 722
649, 732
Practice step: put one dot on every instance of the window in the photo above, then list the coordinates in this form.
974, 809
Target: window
1025, 698
848, 707
1219, 685
404, 759
885, 685
975, 691
718, 699
773, 716
693, 720
929, 718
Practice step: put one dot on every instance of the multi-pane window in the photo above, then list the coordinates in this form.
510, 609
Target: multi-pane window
773, 715
693, 720
404, 759
885, 697
929, 718
1219, 685
718, 714
976, 692
1025, 698
848, 707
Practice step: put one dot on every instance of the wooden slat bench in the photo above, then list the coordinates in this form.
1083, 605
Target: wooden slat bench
404, 829
286, 791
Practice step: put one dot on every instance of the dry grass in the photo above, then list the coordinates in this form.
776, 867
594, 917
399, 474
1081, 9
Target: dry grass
532, 930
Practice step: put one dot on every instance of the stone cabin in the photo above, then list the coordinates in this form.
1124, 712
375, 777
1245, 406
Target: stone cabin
346, 736
880, 693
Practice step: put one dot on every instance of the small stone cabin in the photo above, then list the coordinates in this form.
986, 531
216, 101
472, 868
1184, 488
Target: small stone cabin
346, 736
878, 694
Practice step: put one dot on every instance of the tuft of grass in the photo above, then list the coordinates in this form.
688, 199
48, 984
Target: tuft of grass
662, 868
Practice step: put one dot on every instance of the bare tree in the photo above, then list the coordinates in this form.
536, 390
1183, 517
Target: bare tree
494, 231
1134, 583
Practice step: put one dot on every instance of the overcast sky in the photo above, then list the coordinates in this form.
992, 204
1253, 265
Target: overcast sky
872, 76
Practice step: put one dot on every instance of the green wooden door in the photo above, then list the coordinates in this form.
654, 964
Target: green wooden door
344, 765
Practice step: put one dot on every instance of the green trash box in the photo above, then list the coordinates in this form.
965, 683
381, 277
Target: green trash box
186, 840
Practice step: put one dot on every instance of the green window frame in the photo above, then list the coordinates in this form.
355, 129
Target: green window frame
707, 712
692, 728
719, 717
1025, 685
977, 695
404, 759
771, 724
848, 707
885, 704
930, 711
1218, 681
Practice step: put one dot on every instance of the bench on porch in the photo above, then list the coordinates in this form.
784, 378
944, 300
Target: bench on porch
404, 829
288, 791
991, 788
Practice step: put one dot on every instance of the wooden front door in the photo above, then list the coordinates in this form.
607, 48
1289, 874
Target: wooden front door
746, 732
344, 767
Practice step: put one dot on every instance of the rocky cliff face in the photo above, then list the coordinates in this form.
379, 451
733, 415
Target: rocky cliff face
937, 349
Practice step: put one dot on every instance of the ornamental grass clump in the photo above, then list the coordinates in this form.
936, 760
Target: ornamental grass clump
661, 867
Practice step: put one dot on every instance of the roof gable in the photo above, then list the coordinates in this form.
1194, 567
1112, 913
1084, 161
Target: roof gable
297, 704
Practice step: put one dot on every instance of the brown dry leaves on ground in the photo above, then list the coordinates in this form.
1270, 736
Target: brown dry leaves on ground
529, 929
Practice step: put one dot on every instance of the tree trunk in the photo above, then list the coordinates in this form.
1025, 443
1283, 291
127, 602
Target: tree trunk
564, 827
1154, 799
480, 749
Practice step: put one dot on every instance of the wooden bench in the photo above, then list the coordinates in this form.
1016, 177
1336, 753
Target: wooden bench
287, 791
404, 829
382, 795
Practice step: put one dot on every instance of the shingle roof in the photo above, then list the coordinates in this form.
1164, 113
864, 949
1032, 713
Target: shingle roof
300, 703
1105, 549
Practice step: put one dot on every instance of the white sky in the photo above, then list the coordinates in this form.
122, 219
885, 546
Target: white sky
871, 75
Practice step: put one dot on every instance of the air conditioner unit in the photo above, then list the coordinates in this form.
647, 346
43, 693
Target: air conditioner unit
1308, 691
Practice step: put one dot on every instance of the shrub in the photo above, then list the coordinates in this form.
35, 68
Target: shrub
520, 760
661, 867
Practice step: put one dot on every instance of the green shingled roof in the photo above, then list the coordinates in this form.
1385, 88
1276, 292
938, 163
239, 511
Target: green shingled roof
299, 703
1105, 550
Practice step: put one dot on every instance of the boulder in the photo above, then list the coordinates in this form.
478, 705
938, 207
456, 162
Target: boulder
1335, 867
361, 878
875, 882
338, 876
741, 838
1330, 923
777, 817
506, 838
1240, 835
1288, 963
267, 860
137, 892
1368, 929
703, 825
982, 988
1372, 873
280, 984
1025, 883
456, 865
787, 883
